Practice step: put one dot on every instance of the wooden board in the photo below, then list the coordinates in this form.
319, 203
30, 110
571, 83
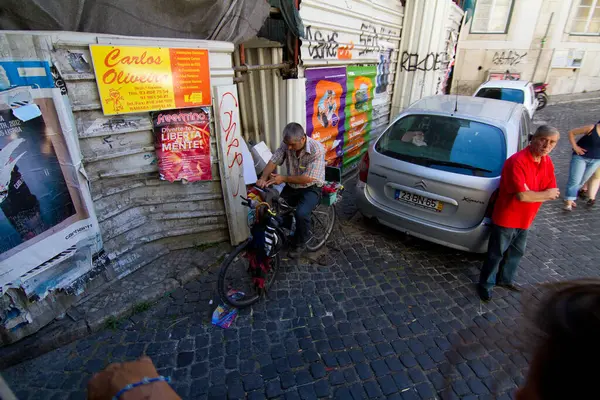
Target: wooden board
228, 135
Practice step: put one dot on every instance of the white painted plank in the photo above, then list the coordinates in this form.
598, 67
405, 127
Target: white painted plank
227, 116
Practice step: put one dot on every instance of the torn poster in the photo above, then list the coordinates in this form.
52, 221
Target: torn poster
45, 205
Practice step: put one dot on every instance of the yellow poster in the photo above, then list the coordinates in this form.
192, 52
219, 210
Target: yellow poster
137, 79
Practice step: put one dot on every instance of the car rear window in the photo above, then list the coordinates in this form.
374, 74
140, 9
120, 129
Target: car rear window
450, 144
514, 95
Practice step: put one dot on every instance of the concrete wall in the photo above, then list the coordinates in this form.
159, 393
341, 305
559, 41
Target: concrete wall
522, 50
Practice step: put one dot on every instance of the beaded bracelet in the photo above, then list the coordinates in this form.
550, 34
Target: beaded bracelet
144, 381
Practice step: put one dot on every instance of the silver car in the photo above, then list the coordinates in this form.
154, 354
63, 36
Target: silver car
434, 172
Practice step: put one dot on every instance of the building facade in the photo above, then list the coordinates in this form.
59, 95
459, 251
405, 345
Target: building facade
553, 41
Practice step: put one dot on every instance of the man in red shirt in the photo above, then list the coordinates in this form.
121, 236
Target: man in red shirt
527, 181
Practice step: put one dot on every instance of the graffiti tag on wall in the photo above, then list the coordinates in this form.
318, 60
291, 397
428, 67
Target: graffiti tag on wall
370, 36
414, 62
345, 52
321, 45
229, 110
511, 57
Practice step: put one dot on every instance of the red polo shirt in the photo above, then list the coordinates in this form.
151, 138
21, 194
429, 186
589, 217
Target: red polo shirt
520, 170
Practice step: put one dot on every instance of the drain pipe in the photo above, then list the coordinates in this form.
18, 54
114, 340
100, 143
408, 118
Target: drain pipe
542, 44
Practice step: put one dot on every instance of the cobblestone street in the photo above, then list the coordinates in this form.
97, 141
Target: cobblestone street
391, 317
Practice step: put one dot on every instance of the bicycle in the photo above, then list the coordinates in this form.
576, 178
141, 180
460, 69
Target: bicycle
236, 283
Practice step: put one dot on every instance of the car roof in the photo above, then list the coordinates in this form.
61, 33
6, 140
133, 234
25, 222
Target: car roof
500, 83
466, 107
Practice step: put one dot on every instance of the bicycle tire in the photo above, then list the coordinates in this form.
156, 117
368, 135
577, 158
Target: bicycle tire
314, 246
227, 263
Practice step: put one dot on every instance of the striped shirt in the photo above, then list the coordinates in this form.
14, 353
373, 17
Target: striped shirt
310, 162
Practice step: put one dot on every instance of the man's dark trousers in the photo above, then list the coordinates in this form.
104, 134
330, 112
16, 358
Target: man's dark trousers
505, 250
305, 200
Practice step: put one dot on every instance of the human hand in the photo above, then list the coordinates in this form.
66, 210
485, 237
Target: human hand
276, 179
579, 151
261, 183
553, 193
108, 382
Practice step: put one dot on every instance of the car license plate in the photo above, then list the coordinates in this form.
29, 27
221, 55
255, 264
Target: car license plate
419, 201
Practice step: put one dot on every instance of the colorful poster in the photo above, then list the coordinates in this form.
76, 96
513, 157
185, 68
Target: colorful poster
46, 213
136, 79
325, 110
182, 142
359, 109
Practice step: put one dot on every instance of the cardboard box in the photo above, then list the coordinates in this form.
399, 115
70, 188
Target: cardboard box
261, 155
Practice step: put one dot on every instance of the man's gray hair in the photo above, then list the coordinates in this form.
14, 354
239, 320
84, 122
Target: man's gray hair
545, 131
293, 132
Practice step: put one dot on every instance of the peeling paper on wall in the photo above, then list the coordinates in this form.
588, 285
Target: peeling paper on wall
13, 312
61, 275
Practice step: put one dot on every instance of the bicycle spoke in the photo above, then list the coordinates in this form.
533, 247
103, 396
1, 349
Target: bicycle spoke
321, 223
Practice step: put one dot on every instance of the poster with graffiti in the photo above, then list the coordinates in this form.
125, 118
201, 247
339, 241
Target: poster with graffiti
325, 110
359, 107
182, 142
45, 206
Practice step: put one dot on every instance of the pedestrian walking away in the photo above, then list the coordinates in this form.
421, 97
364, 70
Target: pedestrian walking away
305, 161
590, 189
527, 180
584, 162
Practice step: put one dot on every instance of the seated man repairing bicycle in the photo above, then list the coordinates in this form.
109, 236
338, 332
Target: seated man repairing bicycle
305, 161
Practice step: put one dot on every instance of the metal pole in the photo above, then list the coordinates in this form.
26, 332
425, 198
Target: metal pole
266, 121
253, 100
265, 67
543, 42
276, 97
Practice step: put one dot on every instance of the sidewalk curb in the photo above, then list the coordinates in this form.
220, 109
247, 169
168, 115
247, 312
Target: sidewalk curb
61, 333
571, 101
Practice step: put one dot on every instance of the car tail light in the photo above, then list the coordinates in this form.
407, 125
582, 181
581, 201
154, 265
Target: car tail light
363, 168
490, 208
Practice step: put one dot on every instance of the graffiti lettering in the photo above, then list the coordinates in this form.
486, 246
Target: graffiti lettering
511, 57
229, 110
431, 62
120, 140
321, 46
345, 52
369, 39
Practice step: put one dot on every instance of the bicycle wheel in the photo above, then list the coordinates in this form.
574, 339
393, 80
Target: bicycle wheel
322, 221
235, 284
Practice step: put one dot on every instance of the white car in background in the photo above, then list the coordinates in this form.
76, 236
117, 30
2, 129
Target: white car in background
515, 91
